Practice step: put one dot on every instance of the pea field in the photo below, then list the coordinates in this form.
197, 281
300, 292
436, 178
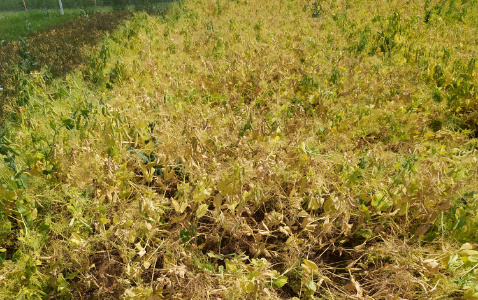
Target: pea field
246, 149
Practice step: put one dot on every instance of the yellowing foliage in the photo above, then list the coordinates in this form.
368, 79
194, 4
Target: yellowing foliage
252, 150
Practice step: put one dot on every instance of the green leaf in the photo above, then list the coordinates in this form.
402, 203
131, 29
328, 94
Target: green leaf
3, 255
22, 209
17, 255
366, 214
102, 209
104, 221
377, 199
366, 233
470, 294
384, 205
13, 184
69, 123
14, 150
52, 125
186, 235
279, 282
22, 182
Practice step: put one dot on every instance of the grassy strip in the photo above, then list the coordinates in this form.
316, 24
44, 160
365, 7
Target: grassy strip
53, 52
21, 24
16, 25
251, 150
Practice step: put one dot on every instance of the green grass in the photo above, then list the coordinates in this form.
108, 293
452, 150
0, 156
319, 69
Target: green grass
21, 24
15, 25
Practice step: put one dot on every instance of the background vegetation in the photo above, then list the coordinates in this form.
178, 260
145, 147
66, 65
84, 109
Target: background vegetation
15, 25
53, 52
251, 150
13, 5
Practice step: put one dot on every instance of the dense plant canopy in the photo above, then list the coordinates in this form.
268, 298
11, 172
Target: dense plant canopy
251, 150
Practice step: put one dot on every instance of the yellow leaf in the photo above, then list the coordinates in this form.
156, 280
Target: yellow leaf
279, 282
180, 208
305, 222
249, 286
202, 211
285, 230
310, 267
315, 203
141, 249
175, 205
168, 173
217, 201
473, 258
175, 220
290, 241
128, 224
183, 207
76, 238
329, 205
466, 246
468, 252
116, 219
